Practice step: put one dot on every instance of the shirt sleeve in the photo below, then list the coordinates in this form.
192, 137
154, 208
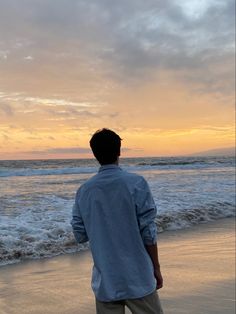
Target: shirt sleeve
78, 224
146, 212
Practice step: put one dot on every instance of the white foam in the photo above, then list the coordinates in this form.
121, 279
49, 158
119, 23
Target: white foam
37, 234
45, 172
48, 233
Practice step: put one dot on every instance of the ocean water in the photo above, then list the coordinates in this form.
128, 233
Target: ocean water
36, 198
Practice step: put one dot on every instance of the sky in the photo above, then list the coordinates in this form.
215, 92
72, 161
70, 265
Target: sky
160, 73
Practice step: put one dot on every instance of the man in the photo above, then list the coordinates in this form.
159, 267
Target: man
115, 211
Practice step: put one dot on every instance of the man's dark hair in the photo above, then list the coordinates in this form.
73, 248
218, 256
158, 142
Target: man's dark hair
105, 145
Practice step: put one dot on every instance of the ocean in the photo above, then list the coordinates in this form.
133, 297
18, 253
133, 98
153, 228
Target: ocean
36, 199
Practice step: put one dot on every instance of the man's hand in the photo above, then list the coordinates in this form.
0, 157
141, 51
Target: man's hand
159, 279
153, 253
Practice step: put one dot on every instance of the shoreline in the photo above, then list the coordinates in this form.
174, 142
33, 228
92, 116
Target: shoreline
197, 265
84, 247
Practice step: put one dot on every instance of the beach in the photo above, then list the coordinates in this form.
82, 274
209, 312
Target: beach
198, 266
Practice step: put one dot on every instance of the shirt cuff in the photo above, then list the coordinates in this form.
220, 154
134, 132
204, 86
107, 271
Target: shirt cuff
149, 234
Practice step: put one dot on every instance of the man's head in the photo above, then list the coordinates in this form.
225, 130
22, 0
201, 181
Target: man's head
105, 145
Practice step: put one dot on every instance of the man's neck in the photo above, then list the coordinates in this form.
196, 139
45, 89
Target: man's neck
116, 163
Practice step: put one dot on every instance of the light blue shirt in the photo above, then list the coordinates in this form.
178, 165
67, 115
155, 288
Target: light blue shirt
115, 211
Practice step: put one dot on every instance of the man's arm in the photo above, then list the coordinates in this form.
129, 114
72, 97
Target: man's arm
78, 224
153, 253
146, 214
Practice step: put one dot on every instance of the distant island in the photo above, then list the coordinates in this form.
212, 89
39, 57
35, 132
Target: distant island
229, 151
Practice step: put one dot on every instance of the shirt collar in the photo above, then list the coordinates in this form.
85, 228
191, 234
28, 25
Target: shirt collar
109, 167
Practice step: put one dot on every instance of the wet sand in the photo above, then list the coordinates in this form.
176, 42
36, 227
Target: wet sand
198, 266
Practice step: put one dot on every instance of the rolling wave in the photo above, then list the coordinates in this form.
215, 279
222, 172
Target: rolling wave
23, 169
45, 172
25, 241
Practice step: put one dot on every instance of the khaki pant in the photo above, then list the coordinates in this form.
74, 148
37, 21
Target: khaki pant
149, 304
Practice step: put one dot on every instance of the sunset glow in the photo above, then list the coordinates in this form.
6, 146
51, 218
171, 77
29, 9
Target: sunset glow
161, 74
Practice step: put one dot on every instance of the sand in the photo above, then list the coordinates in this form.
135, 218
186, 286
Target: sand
197, 265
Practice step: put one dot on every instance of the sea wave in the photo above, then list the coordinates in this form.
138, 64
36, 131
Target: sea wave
171, 163
51, 237
45, 172
185, 162
142, 166
186, 218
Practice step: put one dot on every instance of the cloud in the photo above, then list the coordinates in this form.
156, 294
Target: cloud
29, 58
58, 102
128, 65
67, 150
127, 149
131, 40
4, 54
30, 111
51, 138
6, 137
70, 150
7, 109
